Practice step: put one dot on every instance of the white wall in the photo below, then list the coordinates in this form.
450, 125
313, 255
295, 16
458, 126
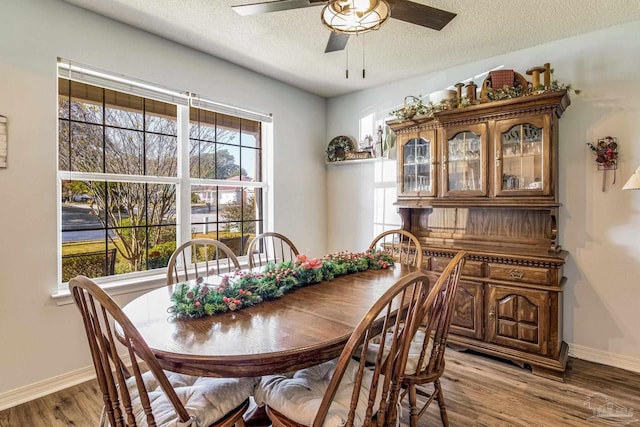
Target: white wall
39, 339
599, 229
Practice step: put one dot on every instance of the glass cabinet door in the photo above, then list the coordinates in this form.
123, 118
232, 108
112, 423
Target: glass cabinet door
417, 159
464, 161
522, 157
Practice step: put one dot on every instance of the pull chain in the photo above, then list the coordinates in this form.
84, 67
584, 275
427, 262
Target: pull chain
347, 64
363, 72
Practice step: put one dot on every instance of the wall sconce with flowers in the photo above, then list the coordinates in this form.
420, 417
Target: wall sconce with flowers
606, 151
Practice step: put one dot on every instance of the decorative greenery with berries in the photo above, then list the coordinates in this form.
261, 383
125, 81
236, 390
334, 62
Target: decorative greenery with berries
248, 288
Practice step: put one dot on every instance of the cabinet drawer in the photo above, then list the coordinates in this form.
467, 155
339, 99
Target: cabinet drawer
471, 268
517, 273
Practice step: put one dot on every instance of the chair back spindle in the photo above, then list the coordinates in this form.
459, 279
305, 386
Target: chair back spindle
403, 246
200, 258
270, 247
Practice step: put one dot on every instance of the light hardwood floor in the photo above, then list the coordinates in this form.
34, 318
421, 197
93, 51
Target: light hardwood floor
479, 391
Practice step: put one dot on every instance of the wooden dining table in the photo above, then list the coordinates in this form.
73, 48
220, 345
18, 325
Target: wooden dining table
302, 328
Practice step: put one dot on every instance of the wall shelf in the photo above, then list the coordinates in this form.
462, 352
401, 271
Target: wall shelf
355, 161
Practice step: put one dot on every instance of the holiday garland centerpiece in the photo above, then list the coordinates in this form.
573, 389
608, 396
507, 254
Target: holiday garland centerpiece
247, 288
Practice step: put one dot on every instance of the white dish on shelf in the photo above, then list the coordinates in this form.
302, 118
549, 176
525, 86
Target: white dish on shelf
440, 95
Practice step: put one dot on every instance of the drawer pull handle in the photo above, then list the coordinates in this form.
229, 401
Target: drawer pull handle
516, 274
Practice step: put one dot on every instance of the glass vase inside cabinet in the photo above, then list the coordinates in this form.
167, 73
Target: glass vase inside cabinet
417, 164
522, 157
464, 161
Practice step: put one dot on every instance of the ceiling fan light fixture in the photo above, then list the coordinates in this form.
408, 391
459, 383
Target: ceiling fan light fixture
355, 16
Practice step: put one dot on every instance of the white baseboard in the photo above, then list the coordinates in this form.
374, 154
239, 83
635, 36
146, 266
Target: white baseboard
29, 392
604, 357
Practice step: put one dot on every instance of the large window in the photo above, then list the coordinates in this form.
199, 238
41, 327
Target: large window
125, 159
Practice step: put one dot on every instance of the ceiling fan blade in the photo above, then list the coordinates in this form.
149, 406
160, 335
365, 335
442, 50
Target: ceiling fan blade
419, 14
273, 6
337, 41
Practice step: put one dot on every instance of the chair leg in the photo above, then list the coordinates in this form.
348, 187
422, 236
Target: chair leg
440, 399
413, 406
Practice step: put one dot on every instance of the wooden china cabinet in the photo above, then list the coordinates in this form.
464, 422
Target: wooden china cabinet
484, 179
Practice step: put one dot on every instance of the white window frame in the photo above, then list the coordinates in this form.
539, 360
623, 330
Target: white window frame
142, 280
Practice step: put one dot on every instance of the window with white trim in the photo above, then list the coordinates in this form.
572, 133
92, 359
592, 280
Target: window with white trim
142, 169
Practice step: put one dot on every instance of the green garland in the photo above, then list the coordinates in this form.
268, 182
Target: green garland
248, 288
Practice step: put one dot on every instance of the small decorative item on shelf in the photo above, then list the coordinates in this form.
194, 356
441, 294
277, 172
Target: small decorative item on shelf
606, 151
389, 145
503, 84
507, 84
471, 88
459, 87
418, 108
357, 155
535, 76
365, 150
338, 148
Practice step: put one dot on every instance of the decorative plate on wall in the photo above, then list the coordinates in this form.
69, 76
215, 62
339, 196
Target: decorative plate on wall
338, 148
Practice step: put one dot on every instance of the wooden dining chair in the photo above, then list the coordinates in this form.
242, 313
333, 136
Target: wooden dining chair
346, 391
200, 258
270, 247
401, 244
425, 359
135, 389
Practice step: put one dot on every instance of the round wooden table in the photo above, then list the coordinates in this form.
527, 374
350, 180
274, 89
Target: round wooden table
303, 328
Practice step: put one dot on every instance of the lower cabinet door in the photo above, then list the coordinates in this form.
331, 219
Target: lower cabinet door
518, 318
467, 315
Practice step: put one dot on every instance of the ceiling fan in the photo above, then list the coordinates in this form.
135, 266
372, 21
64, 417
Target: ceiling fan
377, 11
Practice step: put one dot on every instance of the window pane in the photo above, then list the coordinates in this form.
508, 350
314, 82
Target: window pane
161, 117
123, 110
202, 125
86, 148
124, 151
63, 146
206, 160
86, 102
204, 211
63, 108
194, 159
250, 164
161, 156
228, 162
227, 129
161, 246
251, 133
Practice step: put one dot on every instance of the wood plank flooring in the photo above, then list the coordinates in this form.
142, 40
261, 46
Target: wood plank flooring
479, 391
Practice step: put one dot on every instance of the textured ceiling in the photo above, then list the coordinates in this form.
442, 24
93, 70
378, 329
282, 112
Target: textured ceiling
289, 45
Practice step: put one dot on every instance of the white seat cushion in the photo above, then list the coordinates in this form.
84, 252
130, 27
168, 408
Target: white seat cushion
414, 351
208, 399
298, 395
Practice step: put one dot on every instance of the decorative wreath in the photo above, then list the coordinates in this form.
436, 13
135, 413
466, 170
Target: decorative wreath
338, 147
